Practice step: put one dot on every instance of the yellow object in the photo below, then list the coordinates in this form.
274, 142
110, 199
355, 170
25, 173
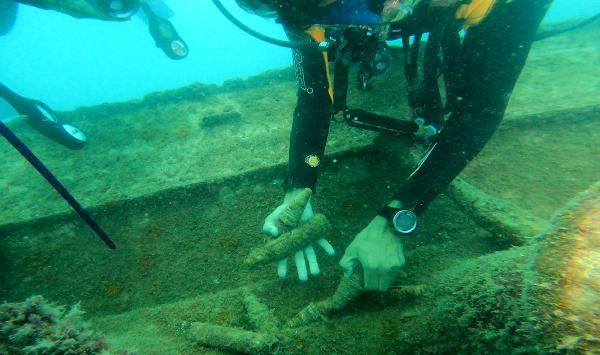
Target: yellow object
475, 12
318, 34
312, 160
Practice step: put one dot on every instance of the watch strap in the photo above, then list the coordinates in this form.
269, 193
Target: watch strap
388, 212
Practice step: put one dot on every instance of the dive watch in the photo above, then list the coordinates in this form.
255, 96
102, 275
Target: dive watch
402, 220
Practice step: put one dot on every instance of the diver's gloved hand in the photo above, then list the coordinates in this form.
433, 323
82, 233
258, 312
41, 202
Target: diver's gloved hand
379, 250
271, 228
426, 132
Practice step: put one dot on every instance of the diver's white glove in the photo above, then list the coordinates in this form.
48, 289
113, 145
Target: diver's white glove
303, 255
426, 132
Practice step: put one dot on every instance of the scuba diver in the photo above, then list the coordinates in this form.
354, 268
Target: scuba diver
154, 12
480, 69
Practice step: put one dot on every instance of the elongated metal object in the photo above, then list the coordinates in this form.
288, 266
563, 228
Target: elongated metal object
57, 185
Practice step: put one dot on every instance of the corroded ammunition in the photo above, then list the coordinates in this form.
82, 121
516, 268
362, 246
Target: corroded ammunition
232, 339
290, 242
291, 215
261, 317
348, 289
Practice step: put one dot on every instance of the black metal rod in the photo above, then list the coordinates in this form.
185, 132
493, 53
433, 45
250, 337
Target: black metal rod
366, 120
42, 169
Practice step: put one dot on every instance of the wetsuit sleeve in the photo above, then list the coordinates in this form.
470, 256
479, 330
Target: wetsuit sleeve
312, 115
492, 57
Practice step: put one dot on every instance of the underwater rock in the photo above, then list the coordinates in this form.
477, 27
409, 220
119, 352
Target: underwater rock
564, 283
543, 297
501, 218
36, 326
285, 245
233, 339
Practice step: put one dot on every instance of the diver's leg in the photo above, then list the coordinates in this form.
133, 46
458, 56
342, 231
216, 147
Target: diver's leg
110, 10
8, 15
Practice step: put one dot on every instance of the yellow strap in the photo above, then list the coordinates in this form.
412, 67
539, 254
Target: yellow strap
318, 34
475, 12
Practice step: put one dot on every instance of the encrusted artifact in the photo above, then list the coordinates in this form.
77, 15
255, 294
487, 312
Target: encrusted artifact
261, 316
348, 289
290, 217
313, 229
232, 339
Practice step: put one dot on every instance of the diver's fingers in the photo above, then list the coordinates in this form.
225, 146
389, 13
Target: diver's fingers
271, 229
386, 277
371, 279
326, 246
282, 268
349, 261
313, 265
308, 212
301, 265
270, 225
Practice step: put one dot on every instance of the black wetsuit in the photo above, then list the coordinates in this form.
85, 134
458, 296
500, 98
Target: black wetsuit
489, 62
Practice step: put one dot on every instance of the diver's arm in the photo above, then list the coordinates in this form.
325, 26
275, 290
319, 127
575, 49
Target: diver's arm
312, 116
492, 58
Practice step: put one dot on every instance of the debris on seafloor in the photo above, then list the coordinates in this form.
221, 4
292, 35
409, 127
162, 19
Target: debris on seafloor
261, 316
263, 341
563, 284
313, 229
221, 119
407, 290
232, 339
500, 217
348, 289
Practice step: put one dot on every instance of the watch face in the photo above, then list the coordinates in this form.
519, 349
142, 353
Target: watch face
405, 221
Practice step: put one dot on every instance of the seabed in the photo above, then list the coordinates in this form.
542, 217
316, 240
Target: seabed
182, 181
